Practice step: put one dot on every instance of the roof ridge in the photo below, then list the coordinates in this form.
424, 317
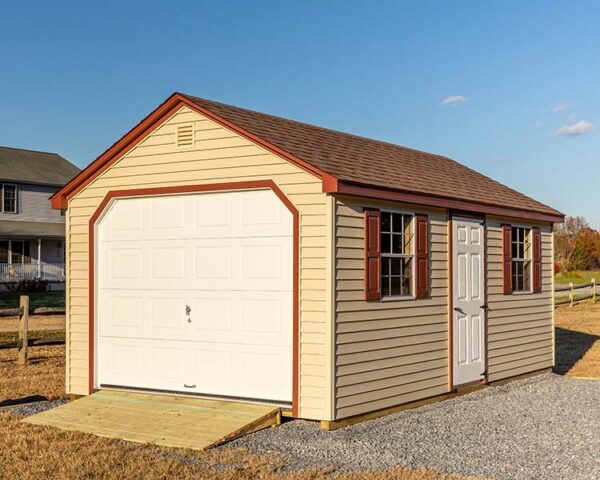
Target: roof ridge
319, 127
30, 150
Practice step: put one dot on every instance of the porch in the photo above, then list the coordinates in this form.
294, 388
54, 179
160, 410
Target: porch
32, 259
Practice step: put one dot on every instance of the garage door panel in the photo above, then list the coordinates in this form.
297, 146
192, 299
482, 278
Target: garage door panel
122, 313
228, 256
167, 214
262, 214
168, 263
213, 262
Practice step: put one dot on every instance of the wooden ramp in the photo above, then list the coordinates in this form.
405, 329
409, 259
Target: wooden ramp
170, 421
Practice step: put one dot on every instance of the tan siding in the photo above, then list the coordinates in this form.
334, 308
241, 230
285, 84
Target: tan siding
520, 333
218, 155
389, 352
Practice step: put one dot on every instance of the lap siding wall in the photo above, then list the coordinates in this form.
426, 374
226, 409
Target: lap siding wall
389, 352
217, 156
520, 326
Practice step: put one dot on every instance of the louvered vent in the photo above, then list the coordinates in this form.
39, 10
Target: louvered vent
185, 136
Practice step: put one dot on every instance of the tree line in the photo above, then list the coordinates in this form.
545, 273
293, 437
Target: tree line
576, 245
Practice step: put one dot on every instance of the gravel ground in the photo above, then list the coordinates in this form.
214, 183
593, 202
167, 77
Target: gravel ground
547, 427
35, 407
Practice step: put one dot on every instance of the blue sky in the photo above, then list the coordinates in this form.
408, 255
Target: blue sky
76, 76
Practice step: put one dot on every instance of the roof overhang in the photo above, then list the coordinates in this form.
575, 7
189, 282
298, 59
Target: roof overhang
368, 191
331, 184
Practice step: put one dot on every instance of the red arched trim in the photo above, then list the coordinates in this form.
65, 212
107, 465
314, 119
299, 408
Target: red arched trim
138, 192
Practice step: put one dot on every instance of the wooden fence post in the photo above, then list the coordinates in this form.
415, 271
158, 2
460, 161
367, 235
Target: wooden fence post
593, 289
571, 295
23, 329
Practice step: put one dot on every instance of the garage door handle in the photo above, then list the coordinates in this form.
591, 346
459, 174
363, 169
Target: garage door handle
189, 386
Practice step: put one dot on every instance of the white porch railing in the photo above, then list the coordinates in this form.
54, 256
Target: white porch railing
29, 271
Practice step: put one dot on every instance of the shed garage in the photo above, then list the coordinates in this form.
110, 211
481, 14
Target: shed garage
219, 252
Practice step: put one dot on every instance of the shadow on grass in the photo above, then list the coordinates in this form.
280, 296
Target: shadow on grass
571, 346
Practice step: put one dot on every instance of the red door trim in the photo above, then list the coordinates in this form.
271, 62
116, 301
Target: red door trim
249, 185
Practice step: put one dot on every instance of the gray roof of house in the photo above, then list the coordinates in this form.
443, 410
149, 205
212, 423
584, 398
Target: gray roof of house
29, 166
12, 228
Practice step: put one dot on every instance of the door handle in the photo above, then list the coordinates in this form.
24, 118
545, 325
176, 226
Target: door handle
485, 307
188, 310
459, 310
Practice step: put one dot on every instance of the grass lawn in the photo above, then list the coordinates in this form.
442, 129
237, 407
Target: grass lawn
578, 277
578, 340
55, 298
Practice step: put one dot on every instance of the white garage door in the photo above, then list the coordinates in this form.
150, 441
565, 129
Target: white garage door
195, 295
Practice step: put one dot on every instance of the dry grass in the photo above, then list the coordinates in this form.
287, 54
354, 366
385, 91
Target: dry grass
578, 340
36, 322
45, 374
30, 452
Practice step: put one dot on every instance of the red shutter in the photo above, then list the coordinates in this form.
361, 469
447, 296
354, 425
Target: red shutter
422, 255
507, 259
537, 259
372, 255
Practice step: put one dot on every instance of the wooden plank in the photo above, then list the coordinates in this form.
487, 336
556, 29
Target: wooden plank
179, 422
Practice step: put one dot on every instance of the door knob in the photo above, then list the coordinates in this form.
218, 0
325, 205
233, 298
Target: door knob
187, 310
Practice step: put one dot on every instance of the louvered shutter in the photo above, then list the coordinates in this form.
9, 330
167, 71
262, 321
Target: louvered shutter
507, 259
536, 242
422, 255
372, 254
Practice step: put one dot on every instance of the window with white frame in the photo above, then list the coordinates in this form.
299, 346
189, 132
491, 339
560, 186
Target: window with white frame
9, 198
521, 259
396, 254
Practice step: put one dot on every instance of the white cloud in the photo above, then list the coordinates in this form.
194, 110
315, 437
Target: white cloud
580, 128
560, 107
453, 100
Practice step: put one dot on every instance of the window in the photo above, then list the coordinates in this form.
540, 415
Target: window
521, 259
9, 198
396, 254
20, 251
3, 251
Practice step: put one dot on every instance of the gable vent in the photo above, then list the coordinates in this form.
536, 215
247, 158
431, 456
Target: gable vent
185, 135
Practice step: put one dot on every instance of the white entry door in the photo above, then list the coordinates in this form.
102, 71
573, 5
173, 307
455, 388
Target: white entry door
469, 297
195, 295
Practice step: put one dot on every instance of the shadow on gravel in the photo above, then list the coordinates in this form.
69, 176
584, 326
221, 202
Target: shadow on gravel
571, 346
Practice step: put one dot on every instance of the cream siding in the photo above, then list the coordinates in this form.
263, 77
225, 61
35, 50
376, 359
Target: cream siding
388, 352
520, 326
217, 155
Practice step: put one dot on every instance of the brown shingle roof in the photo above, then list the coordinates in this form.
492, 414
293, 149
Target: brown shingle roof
370, 162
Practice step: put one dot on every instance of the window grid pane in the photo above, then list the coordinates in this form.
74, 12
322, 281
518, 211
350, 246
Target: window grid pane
521, 253
396, 253
9, 200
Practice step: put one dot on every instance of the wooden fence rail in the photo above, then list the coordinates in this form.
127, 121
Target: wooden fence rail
572, 300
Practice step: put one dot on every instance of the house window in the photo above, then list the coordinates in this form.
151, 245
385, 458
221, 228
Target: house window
396, 254
3, 251
9, 198
20, 251
521, 259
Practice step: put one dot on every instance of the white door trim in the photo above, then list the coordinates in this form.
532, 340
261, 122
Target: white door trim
468, 330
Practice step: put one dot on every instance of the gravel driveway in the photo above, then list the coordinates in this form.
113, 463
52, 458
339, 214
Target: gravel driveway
547, 427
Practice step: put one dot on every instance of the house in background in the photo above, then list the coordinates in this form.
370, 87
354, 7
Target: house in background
32, 234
